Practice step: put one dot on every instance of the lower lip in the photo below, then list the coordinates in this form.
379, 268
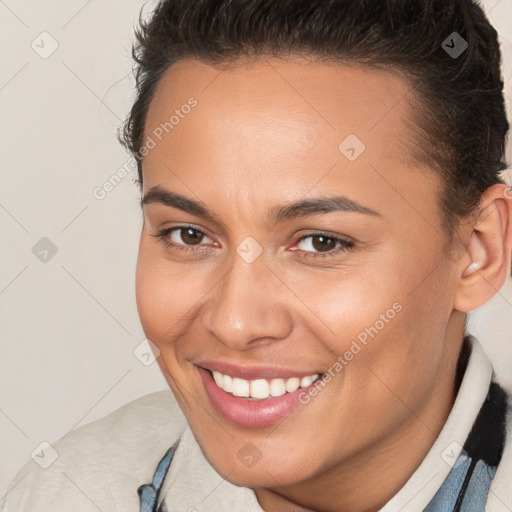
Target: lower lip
250, 413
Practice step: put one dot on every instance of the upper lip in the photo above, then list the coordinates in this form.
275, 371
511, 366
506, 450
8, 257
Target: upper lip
254, 372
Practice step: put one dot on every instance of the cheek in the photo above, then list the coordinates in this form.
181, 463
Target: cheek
348, 304
162, 309
370, 317
160, 303
168, 294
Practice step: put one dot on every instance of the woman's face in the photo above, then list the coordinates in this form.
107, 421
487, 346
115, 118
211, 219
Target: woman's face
296, 251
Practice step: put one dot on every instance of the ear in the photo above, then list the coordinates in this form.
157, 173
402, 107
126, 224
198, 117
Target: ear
489, 249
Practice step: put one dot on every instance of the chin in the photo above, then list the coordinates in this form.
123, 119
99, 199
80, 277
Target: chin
260, 473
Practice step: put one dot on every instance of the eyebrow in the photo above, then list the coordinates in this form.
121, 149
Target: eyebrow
297, 209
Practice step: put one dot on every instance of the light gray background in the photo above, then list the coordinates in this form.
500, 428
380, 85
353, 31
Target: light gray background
69, 326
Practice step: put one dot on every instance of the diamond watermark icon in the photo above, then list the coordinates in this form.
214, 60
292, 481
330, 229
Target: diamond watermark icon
454, 455
454, 249
249, 250
352, 147
44, 250
454, 45
45, 45
146, 352
44, 455
249, 455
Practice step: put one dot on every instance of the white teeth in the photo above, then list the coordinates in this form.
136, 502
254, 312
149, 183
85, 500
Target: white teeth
306, 381
261, 388
292, 384
240, 387
219, 379
277, 387
227, 385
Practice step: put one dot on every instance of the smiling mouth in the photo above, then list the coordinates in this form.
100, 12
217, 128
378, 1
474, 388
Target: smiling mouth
261, 389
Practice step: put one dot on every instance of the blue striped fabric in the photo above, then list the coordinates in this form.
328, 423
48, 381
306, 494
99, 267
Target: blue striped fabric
467, 486
148, 493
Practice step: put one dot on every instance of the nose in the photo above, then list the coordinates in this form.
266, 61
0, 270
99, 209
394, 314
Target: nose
248, 306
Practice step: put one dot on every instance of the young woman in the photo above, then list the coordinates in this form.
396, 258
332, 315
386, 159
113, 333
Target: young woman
323, 205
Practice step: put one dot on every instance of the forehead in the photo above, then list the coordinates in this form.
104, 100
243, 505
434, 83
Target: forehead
293, 118
333, 93
280, 100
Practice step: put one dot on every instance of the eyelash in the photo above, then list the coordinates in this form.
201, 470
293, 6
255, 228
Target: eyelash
345, 245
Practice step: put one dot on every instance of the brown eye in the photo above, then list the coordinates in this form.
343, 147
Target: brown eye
191, 236
183, 238
323, 243
320, 244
